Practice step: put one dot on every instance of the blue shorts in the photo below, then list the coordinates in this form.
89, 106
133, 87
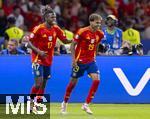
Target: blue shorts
41, 71
89, 68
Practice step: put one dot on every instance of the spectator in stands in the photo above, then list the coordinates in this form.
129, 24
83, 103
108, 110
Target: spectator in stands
147, 32
63, 49
60, 47
102, 10
139, 19
8, 6
74, 14
76, 6
19, 18
37, 4
66, 13
133, 37
129, 7
25, 5
3, 24
56, 7
112, 36
126, 48
22, 46
12, 48
12, 32
83, 17
34, 17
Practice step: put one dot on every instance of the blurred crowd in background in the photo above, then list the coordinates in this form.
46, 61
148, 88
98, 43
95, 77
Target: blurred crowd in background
73, 14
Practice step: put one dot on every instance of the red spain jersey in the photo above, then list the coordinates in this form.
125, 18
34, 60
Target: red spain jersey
87, 42
44, 39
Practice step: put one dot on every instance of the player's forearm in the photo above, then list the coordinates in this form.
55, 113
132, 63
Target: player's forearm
73, 50
67, 41
31, 46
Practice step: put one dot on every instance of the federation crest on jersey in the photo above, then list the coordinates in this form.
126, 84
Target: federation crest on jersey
92, 41
31, 35
50, 38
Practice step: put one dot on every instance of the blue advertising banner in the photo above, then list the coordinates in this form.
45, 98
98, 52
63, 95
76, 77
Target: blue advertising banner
123, 79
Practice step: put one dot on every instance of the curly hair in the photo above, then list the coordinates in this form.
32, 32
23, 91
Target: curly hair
47, 9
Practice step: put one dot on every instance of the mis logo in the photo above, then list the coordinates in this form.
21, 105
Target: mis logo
23, 102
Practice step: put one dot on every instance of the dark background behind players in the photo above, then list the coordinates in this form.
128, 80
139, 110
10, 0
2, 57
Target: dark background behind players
74, 13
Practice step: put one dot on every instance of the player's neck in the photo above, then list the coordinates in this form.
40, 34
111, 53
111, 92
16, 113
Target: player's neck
92, 29
12, 25
111, 28
13, 52
48, 25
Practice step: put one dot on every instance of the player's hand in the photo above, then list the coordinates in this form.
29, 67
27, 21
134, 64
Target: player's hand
42, 53
74, 63
75, 66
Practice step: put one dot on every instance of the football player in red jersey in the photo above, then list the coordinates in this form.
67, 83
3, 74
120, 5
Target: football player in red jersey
83, 50
42, 42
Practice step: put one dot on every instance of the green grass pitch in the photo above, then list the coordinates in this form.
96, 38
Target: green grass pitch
101, 111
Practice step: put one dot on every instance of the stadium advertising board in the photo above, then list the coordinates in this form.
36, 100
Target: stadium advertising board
123, 79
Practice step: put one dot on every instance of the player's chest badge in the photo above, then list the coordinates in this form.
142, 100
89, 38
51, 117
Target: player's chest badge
50, 38
92, 41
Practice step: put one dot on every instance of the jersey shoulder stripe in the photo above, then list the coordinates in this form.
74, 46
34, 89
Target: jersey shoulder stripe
81, 30
38, 27
58, 28
101, 32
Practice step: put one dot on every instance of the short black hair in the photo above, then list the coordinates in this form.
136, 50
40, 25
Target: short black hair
11, 20
94, 16
129, 23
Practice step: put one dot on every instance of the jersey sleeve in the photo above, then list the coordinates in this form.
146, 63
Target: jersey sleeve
60, 33
34, 34
77, 36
